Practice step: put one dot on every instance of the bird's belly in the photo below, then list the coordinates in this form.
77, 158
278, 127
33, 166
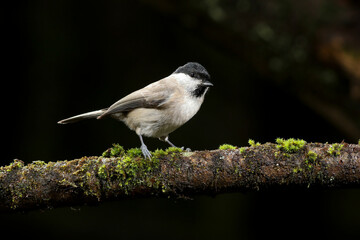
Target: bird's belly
158, 122
149, 122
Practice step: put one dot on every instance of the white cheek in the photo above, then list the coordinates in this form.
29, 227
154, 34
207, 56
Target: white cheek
189, 83
191, 104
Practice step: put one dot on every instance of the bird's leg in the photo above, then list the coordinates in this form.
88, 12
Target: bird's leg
166, 139
144, 149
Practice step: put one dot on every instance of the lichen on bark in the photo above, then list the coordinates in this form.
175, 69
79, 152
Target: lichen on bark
119, 174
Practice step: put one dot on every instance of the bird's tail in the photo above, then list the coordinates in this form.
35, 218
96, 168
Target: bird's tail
88, 115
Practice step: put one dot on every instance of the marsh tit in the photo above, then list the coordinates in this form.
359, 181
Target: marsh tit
159, 108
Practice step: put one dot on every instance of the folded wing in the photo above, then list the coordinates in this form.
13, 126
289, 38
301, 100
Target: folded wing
152, 96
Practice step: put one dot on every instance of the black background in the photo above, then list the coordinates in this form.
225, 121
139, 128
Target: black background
63, 58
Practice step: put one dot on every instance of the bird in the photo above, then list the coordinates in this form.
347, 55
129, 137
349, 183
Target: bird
159, 108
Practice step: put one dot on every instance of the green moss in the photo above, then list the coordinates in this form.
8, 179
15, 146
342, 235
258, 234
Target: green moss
39, 163
252, 143
297, 170
118, 151
290, 145
174, 150
17, 189
16, 164
311, 157
102, 172
115, 151
335, 149
133, 171
242, 150
310, 160
87, 172
67, 183
134, 152
159, 153
226, 146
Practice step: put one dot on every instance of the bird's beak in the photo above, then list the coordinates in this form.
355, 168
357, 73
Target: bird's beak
207, 84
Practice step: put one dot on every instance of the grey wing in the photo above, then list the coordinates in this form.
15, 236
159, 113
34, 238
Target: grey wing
151, 96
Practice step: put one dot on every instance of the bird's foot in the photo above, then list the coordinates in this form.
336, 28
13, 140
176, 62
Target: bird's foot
185, 149
145, 151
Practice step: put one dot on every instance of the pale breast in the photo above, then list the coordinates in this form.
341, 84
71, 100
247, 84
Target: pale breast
179, 108
161, 122
187, 109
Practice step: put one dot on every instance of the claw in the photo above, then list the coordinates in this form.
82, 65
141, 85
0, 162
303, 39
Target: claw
145, 151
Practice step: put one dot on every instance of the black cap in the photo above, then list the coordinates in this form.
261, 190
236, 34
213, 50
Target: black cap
194, 70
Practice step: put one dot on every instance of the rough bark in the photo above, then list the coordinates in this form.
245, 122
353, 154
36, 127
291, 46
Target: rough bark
177, 174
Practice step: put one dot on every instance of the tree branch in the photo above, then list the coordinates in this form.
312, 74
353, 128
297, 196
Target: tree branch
119, 174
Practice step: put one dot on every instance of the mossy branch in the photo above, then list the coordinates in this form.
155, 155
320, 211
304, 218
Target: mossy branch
122, 174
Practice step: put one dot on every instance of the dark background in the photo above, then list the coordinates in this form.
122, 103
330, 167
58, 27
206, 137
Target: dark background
280, 69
